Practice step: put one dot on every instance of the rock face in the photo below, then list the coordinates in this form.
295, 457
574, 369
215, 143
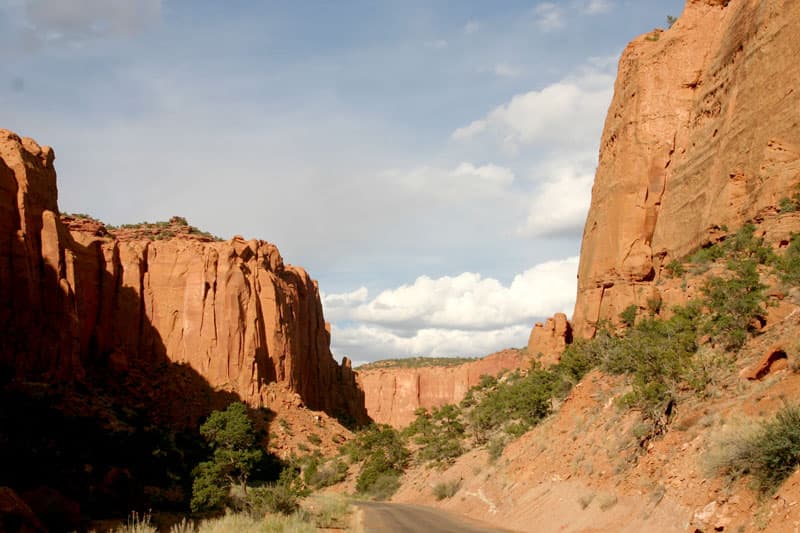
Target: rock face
73, 302
702, 133
547, 341
393, 394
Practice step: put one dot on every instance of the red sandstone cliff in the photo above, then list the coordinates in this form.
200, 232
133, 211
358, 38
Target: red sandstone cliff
548, 340
703, 132
75, 301
393, 394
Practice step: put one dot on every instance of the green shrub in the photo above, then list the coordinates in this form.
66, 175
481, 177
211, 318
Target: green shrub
675, 268
654, 306
628, 316
583, 355
496, 446
235, 454
787, 205
745, 245
315, 439
525, 400
319, 474
383, 456
384, 486
657, 355
446, 489
788, 265
282, 497
439, 434
770, 454
706, 255
734, 303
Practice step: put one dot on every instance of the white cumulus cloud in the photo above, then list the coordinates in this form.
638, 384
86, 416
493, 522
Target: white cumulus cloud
560, 202
469, 301
451, 315
570, 111
465, 179
365, 343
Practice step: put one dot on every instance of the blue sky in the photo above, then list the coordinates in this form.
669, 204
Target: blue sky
429, 162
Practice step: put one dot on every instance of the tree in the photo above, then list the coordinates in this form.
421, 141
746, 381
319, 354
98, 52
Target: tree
734, 303
232, 439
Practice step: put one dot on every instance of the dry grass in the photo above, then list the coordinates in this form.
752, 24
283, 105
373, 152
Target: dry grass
241, 523
136, 523
332, 511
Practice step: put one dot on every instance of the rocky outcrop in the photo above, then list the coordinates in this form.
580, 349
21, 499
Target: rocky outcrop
702, 134
73, 302
547, 341
393, 394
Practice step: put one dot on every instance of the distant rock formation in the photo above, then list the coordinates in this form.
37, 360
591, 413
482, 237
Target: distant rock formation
703, 132
547, 341
74, 298
393, 394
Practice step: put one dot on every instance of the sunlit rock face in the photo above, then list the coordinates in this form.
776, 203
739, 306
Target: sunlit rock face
393, 394
703, 133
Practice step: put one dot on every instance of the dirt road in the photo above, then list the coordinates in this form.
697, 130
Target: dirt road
401, 518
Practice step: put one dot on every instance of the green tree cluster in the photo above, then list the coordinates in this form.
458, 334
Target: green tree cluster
383, 457
439, 434
234, 455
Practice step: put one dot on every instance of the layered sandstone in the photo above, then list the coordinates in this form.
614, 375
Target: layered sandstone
702, 134
548, 340
393, 394
80, 301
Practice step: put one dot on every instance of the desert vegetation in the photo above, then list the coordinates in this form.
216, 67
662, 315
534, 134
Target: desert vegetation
768, 452
665, 359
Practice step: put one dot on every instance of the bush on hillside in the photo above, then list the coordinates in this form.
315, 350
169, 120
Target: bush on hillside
281, 497
439, 434
788, 265
446, 489
628, 316
524, 400
734, 304
383, 456
770, 454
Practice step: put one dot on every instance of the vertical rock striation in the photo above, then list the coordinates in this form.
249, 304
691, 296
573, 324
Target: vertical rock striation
703, 132
393, 394
76, 301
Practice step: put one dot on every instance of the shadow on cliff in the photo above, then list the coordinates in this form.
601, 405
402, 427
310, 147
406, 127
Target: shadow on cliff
123, 436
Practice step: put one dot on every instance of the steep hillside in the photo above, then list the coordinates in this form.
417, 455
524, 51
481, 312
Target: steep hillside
702, 135
689, 420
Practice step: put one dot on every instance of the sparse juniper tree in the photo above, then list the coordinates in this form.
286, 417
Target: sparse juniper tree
233, 442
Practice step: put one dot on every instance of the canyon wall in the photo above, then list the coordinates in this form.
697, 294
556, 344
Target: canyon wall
393, 394
75, 302
703, 135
